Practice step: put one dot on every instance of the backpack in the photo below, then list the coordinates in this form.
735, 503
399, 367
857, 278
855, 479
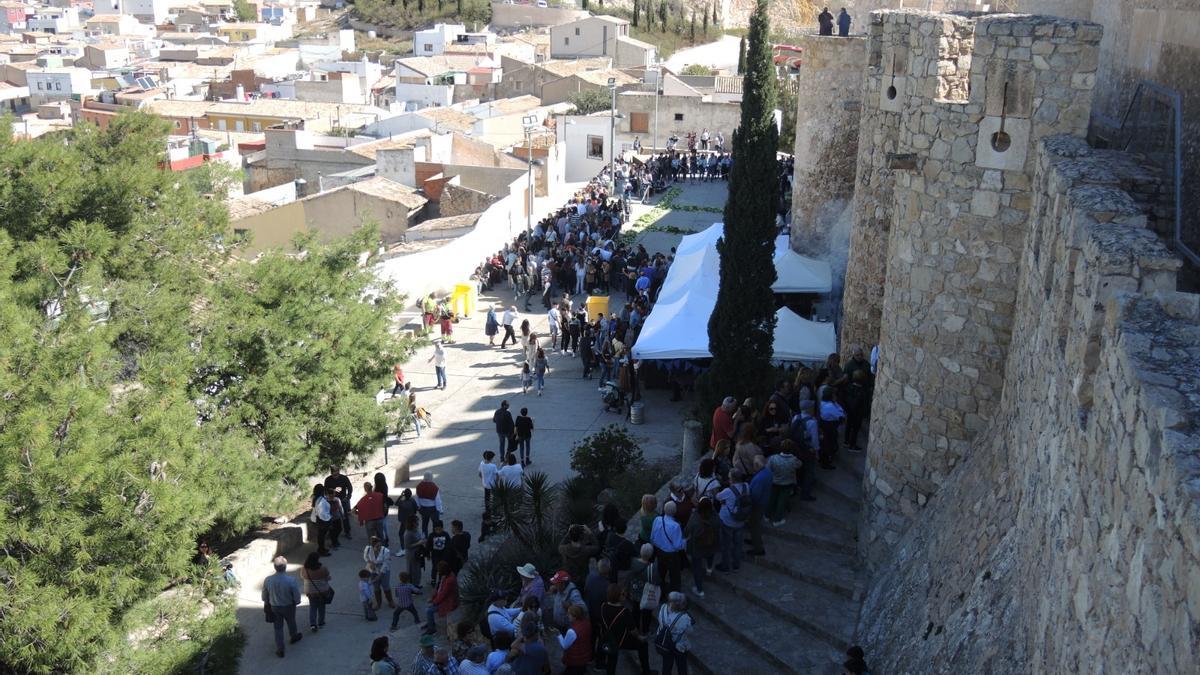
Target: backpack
741, 505
707, 537
664, 639
798, 432
485, 627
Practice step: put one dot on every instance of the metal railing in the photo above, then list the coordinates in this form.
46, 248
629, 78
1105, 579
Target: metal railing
1152, 126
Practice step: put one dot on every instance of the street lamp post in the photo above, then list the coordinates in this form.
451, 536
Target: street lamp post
529, 121
612, 138
657, 90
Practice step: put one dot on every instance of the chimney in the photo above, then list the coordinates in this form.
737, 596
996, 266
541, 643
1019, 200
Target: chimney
240, 93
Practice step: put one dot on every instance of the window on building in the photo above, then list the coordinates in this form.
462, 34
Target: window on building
58, 86
428, 47
239, 125
595, 147
577, 31
221, 125
566, 41
678, 117
256, 126
39, 86
178, 125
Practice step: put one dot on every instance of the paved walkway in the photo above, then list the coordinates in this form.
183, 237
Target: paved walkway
479, 378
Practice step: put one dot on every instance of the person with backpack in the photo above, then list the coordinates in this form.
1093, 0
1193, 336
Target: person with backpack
783, 466
618, 626
672, 639
499, 618
760, 496
735, 511
806, 436
703, 537
667, 537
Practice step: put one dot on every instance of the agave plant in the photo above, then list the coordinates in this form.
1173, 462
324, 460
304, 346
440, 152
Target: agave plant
530, 513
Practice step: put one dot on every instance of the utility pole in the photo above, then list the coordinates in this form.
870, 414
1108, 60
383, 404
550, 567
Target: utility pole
657, 91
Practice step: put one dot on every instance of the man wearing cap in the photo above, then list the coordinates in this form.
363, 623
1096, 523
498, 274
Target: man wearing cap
531, 584
282, 593
475, 662
429, 502
562, 597
423, 661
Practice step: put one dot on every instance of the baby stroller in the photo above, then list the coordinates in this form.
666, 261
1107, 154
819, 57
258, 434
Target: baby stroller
610, 395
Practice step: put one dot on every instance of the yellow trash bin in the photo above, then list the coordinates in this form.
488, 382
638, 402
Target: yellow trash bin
596, 305
464, 299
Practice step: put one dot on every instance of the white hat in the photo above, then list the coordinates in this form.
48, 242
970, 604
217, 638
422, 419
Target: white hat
527, 570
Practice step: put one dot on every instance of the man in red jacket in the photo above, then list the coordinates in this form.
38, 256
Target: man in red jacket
722, 421
371, 512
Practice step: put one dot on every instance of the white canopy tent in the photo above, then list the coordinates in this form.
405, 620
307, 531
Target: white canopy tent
678, 326
796, 273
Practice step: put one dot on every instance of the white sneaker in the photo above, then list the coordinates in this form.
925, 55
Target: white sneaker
778, 523
400, 553
697, 592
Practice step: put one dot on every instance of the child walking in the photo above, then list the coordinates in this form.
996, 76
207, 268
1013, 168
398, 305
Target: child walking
366, 593
405, 591
526, 378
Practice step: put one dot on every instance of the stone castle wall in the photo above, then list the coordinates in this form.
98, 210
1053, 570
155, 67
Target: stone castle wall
974, 98
829, 89
1033, 477
1068, 539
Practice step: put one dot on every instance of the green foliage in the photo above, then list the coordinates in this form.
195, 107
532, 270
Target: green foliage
214, 178
662, 15
787, 106
152, 388
742, 324
589, 101
628, 487
637, 10
605, 454
696, 69
176, 632
692, 30
706, 15
741, 66
245, 10
409, 15
529, 513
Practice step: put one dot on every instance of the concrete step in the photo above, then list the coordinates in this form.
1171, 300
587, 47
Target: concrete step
838, 573
810, 532
820, 613
842, 483
743, 631
829, 511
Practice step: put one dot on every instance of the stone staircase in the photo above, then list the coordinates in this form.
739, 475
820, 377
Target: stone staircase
793, 610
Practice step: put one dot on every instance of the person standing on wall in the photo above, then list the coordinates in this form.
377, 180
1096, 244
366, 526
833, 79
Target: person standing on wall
843, 22
825, 22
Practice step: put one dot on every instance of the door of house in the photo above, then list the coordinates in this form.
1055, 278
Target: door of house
639, 123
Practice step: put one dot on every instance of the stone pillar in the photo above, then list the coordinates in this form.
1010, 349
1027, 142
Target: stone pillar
693, 441
883, 87
828, 105
978, 96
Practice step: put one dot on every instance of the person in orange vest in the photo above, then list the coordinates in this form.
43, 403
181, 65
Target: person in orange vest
576, 642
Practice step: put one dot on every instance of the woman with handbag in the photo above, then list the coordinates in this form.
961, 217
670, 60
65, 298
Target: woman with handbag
318, 589
619, 631
379, 565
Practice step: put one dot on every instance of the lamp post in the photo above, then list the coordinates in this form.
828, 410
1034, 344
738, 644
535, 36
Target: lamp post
657, 90
529, 121
612, 138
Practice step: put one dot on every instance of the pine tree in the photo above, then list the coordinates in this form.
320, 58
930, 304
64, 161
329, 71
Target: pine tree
741, 328
706, 21
741, 67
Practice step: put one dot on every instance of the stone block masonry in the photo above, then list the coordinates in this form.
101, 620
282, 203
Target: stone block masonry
1068, 539
829, 104
957, 224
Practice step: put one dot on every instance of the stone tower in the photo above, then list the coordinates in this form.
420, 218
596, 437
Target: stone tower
955, 106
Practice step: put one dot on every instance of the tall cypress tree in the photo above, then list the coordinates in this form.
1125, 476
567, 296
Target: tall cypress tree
742, 326
636, 9
692, 33
741, 57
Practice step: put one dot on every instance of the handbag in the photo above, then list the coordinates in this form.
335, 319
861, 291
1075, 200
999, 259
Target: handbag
270, 613
651, 593
327, 593
664, 639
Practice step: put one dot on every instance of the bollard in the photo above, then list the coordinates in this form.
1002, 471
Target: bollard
401, 474
693, 432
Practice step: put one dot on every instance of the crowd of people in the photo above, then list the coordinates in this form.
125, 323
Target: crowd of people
620, 584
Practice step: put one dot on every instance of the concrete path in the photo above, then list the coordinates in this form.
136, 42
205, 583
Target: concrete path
479, 378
